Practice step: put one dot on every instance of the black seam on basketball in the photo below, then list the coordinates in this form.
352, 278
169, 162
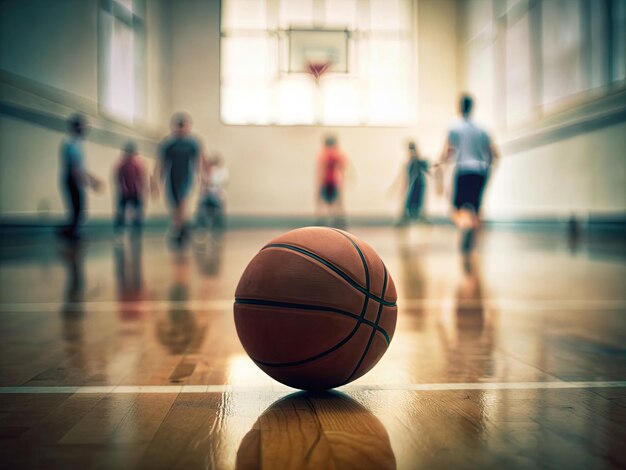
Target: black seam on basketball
312, 358
367, 283
359, 321
369, 342
287, 305
365, 267
380, 300
334, 268
374, 296
323, 353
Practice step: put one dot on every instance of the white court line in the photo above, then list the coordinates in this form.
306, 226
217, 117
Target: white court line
161, 389
518, 304
227, 304
108, 306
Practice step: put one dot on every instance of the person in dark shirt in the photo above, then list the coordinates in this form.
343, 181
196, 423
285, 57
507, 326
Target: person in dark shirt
416, 170
179, 163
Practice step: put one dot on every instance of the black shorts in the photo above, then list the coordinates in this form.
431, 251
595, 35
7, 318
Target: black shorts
178, 191
211, 201
329, 192
415, 198
468, 190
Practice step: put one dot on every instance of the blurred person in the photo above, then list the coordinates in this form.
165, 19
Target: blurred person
468, 338
130, 178
574, 233
209, 260
178, 328
73, 258
413, 275
474, 154
179, 162
131, 290
332, 164
213, 182
414, 179
73, 307
74, 176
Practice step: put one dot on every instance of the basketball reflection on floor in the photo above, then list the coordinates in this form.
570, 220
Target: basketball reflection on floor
316, 430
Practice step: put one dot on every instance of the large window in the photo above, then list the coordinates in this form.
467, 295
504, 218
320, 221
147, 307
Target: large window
121, 61
370, 81
533, 59
561, 35
518, 77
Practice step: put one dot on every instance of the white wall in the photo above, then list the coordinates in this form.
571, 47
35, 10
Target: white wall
54, 44
51, 42
581, 172
272, 167
582, 175
158, 72
49, 66
30, 172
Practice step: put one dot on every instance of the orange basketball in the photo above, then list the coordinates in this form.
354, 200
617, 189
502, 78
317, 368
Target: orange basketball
316, 308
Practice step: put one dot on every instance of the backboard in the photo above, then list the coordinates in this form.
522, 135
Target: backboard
317, 51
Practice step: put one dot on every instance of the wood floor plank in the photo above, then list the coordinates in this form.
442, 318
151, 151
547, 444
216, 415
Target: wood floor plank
100, 424
50, 430
179, 437
143, 419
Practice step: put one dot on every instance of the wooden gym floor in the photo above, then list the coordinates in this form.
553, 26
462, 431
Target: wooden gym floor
127, 357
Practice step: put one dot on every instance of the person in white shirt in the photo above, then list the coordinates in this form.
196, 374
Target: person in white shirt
214, 179
474, 153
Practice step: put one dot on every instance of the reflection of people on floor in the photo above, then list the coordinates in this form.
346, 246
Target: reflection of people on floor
468, 337
316, 430
176, 331
177, 328
468, 331
131, 292
73, 310
209, 257
574, 233
470, 310
73, 257
412, 279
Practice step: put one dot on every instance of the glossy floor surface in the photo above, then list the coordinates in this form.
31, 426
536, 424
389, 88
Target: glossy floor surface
126, 356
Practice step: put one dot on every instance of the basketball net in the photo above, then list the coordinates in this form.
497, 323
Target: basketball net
317, 69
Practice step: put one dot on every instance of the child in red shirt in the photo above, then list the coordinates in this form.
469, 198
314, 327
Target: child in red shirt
130, 176
331, 167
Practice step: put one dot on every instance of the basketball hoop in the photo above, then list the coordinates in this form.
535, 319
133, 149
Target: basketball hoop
317, 69
317, 52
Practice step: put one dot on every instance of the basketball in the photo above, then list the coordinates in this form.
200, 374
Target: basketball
316, 308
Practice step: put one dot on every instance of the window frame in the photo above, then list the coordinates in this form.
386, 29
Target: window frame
135, 21
588, 95
409, 36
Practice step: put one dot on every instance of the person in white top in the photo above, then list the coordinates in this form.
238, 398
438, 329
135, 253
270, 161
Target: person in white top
473, 152
214, 179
